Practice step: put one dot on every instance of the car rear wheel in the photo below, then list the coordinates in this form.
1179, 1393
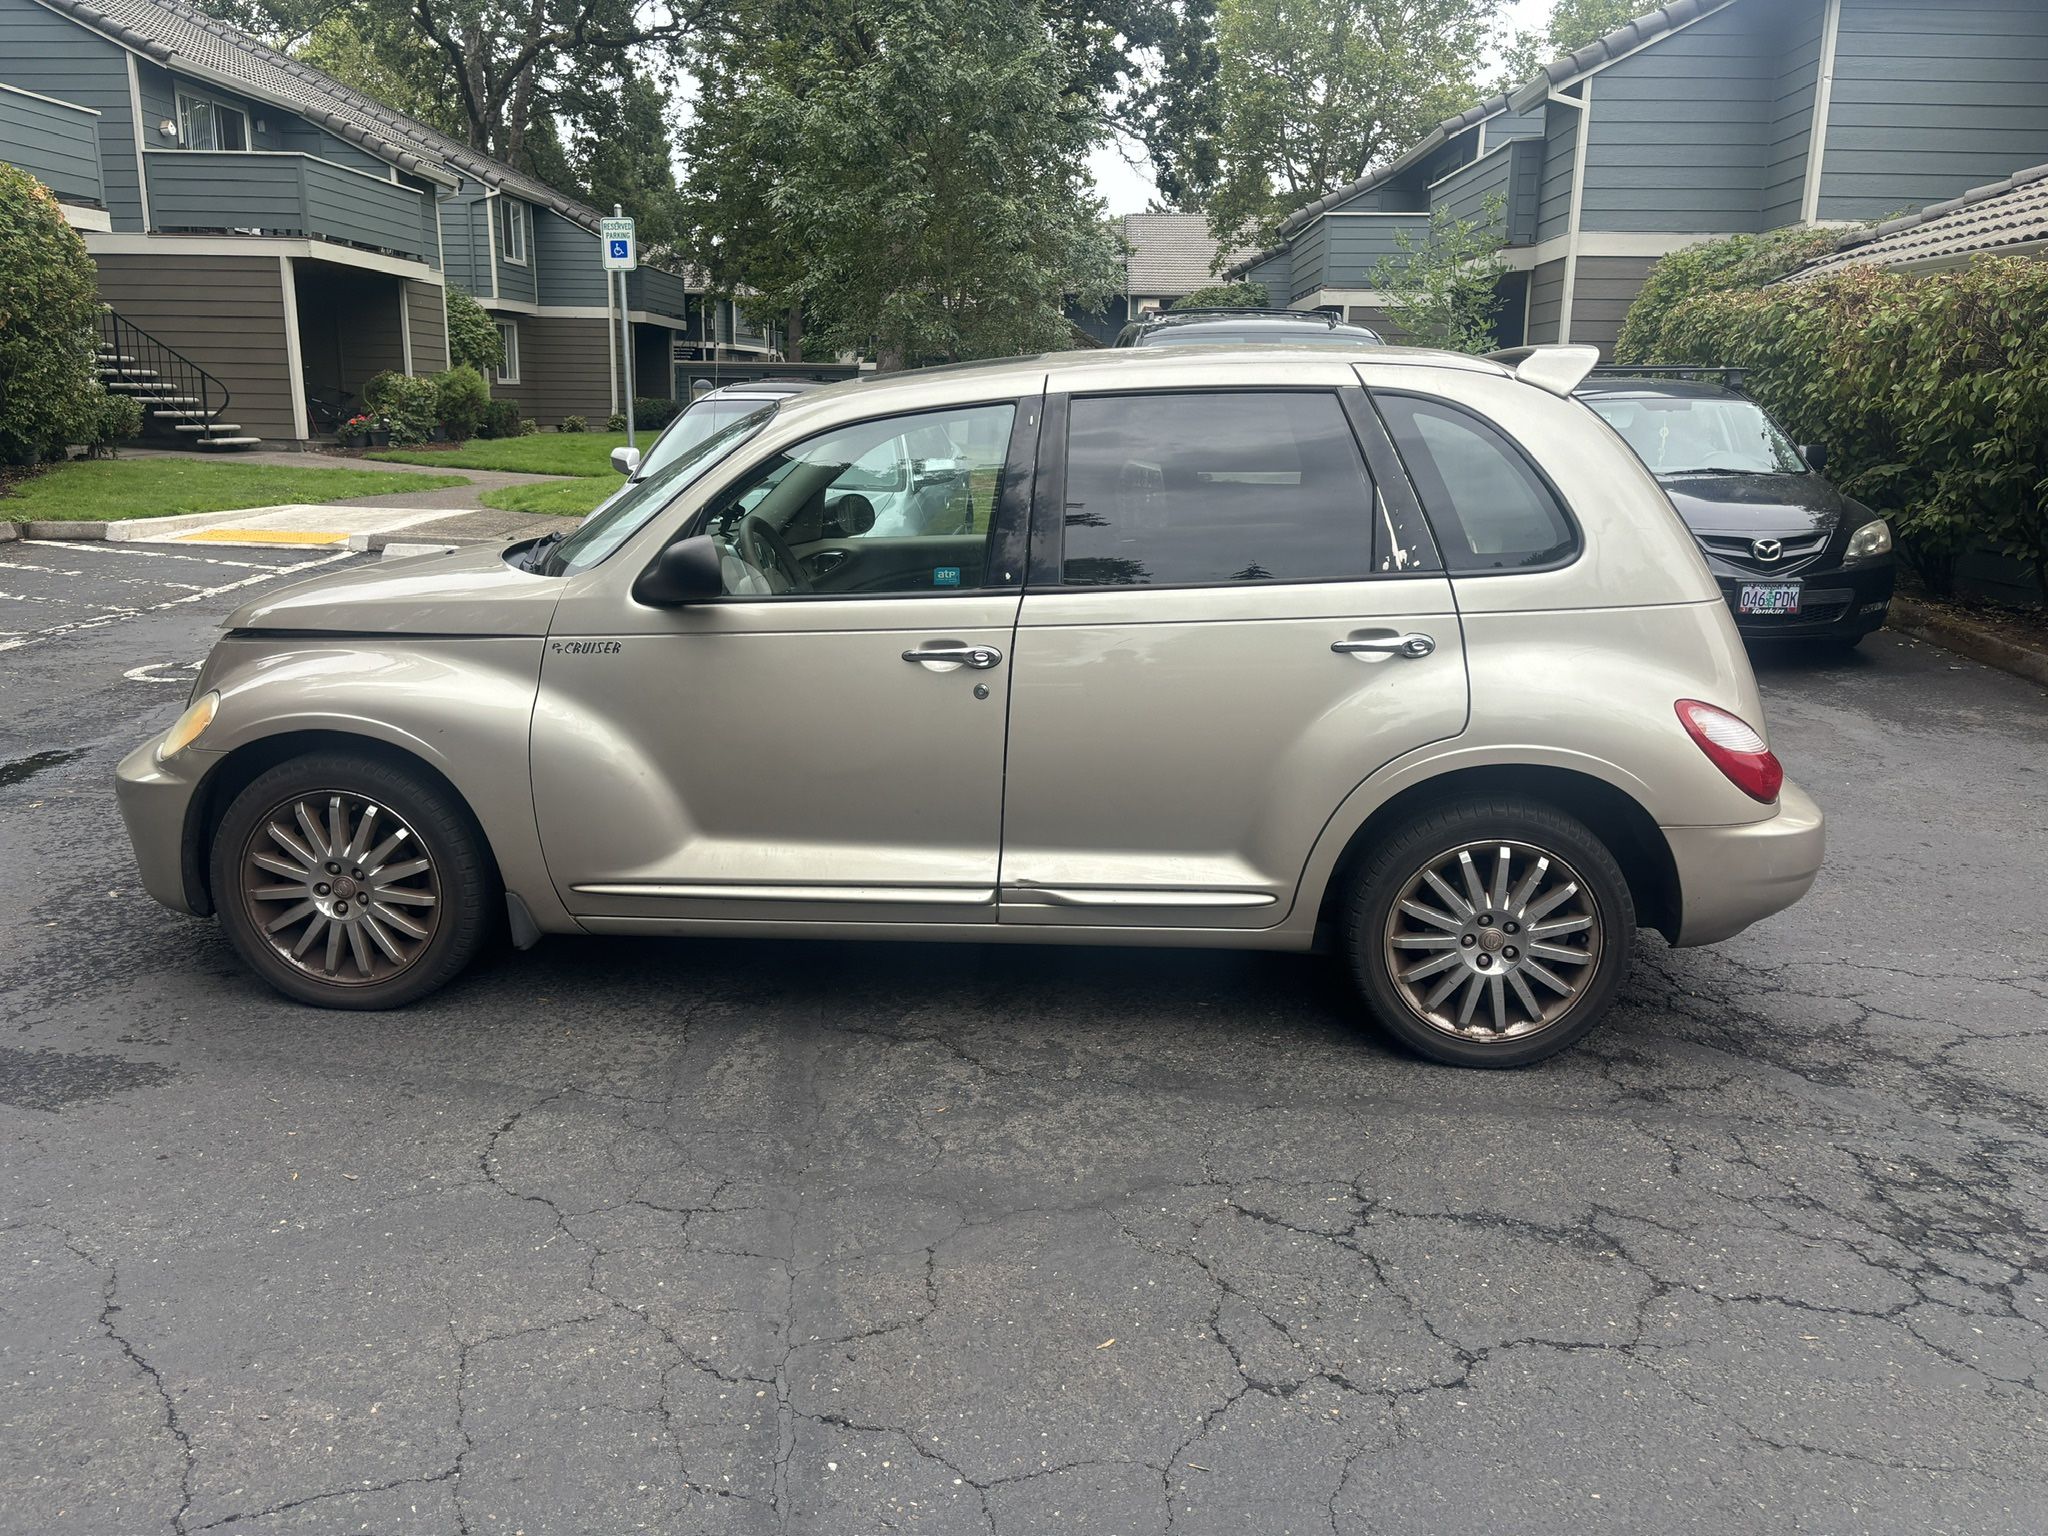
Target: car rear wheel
1490, 933
350, 882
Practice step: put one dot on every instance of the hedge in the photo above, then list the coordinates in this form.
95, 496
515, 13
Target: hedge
1930, 393
49, 313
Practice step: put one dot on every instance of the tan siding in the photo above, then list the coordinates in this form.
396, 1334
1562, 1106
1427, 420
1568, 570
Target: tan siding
225, 313
429, 327
1546, 301
564, 370
1606, 286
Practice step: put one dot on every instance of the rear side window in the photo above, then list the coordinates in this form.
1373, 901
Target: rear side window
1488, 507
1190, 489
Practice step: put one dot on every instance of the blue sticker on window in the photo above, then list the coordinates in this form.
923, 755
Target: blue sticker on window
946, 576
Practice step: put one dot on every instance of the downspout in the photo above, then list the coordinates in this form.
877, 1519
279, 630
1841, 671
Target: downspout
1583, 105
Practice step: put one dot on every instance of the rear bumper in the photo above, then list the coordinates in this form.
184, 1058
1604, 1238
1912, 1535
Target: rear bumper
156, 802
1843, 603
1730, 877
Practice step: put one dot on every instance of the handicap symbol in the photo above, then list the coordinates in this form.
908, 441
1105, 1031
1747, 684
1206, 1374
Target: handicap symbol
619, 250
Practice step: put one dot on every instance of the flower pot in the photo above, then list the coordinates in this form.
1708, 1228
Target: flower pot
380, 437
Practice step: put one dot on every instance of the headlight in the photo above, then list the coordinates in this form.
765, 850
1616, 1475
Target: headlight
1872, 539
190, 727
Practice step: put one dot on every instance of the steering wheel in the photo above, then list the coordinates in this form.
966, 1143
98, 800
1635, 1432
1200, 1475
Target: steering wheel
760, 545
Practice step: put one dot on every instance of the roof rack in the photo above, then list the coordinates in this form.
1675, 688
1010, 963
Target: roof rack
1221, 311
1730, 374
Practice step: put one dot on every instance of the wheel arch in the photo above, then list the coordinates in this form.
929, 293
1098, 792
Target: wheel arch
1616, 817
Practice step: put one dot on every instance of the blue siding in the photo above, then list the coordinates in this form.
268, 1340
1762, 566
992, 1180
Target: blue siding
1681, 130
1466, 193
284, 194
571, 264
47, 54
1343, 251
1514, 125
1554, 188
515, 281
661, 293
466, 241
1792, 113
1931, 100
1273, 273
1306, 260
54, 142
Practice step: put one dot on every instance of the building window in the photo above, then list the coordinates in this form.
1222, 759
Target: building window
508, 337
512, 231
207, 124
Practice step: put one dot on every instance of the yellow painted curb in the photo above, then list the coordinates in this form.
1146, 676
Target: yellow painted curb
260, 536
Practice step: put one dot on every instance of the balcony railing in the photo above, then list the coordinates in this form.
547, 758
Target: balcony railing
274, 193
1497, 191
55, 142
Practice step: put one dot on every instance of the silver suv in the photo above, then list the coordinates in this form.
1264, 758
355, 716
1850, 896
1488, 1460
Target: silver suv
1404, 653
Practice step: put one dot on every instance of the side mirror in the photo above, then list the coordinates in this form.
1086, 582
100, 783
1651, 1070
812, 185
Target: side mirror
1816, 456
626, 461
688, 571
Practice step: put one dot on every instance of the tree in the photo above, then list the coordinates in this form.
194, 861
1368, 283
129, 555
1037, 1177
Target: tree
1313, 93
473, 339
49, 397
1177, 115
1444, 289
904, 175
1572, 25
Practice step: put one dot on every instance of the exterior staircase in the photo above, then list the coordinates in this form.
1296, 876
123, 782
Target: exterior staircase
182, 404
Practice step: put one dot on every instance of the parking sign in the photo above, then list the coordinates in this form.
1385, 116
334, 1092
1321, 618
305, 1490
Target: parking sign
617, 237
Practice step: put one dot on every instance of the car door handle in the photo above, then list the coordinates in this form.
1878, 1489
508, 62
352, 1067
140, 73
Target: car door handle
1412, 646
980, 657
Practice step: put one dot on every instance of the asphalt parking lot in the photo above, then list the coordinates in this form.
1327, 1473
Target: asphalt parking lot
760, 1237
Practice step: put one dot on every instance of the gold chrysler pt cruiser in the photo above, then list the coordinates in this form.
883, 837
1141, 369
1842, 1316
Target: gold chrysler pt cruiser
1400, 652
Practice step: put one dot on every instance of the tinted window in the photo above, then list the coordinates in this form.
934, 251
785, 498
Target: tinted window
1488, 507
1194, 489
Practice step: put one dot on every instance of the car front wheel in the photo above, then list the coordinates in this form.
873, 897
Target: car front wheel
1490, 933
351, 882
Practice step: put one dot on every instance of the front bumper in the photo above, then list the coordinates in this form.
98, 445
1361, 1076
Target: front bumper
1844, 602
1730, 877
156, 805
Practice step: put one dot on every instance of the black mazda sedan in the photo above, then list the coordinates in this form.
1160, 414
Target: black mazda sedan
1795, 558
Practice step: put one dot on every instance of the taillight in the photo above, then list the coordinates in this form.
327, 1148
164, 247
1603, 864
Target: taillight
1734, 747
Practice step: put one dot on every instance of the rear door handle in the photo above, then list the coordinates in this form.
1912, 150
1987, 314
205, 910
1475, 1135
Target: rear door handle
980, 657
1412, 646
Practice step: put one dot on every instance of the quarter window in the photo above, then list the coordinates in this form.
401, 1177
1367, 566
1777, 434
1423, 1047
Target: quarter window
1488, 507
1191, 489
903, 504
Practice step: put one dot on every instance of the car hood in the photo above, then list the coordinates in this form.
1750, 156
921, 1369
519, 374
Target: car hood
469, 591
1778, 506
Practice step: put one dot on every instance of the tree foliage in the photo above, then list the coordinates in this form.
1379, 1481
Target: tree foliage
473, 339
1313, 93
49, 393
1443, 290
1930, 393
1176, 113
1714, 266
905, 174
1570, 26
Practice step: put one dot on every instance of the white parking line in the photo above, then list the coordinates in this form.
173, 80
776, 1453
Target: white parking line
77, 625
159, 553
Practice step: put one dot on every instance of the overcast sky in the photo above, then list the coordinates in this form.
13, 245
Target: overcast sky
1123, 176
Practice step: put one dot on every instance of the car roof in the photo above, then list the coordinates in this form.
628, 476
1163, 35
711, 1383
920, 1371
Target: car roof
1622, 387
763, 387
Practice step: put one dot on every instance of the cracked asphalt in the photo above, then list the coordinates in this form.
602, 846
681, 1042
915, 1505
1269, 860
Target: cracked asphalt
734, 1237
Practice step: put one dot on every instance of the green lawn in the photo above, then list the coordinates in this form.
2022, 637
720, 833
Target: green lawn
92, 490
564, 498
543, 453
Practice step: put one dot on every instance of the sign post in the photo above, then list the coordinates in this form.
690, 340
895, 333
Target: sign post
615, 236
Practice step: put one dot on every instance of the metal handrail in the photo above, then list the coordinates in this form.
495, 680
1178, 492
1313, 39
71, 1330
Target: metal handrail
127, 340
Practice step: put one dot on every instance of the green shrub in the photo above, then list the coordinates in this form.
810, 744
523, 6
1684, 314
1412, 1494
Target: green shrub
616, 422
528, 426
1443, 290
110, 417
500, 419
410, 407
49, 317
1930, 394
1716, 266
460, 399
378, 393
654, 412
574, 424
473, 339
1245, 295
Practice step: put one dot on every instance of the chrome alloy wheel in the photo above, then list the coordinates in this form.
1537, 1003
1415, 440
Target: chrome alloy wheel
1493, 941
340, 887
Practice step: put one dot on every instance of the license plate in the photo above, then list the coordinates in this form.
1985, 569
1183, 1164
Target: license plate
1780, 598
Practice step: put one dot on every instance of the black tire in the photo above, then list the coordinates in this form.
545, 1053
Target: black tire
454, 901
1372, 927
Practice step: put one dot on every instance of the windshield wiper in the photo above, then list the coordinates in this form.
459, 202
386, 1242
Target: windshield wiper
536, 556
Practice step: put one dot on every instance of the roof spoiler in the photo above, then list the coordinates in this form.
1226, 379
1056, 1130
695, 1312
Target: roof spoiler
1557, 369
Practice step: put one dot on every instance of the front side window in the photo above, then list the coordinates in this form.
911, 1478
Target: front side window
1700, 436
899, 505
508, 337
1197, 489
207, 124
1488, 507
512, 230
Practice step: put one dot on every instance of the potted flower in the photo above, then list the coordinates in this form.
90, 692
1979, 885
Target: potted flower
380, 432
354, 432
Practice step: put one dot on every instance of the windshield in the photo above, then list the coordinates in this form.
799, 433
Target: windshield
700, 420
1700, 436
628, 512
